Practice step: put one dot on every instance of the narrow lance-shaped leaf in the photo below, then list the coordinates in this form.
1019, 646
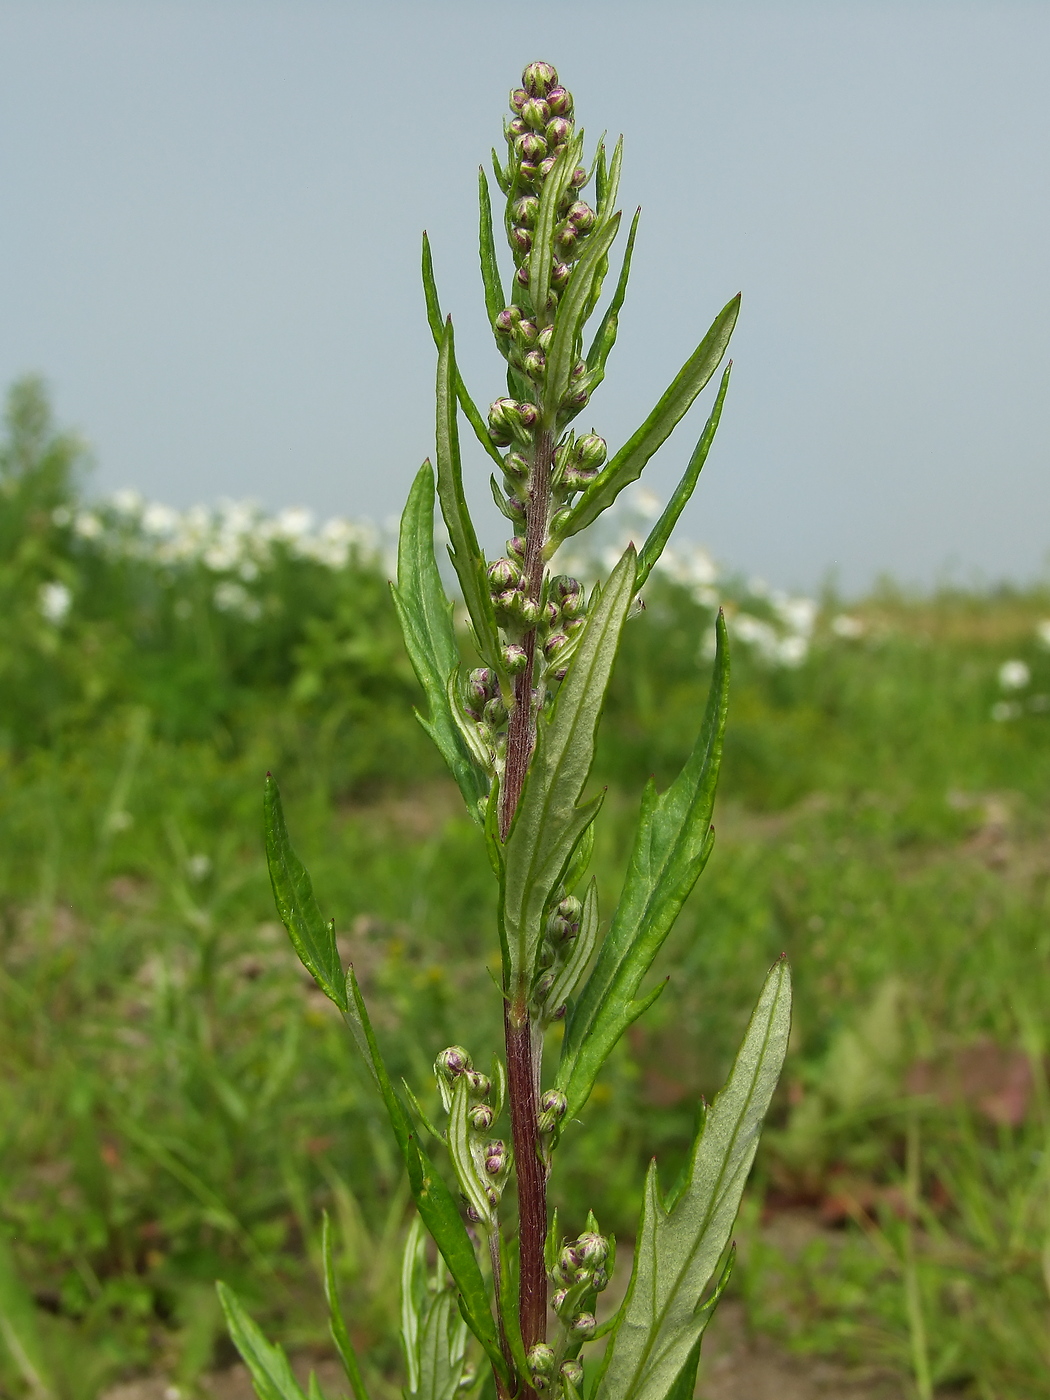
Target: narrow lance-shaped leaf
605, 336
336, 1322
661, 531
541, 258
465, 552
434, 1201
462, 1158
571, 314
627, 465
670, 849
678, 1248
425, 615
494, 298
548, 822
267, 1364
436, 322
312, 936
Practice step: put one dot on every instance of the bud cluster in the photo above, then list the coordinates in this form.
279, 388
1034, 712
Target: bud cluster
453, 1064
491, 1157
580, 1273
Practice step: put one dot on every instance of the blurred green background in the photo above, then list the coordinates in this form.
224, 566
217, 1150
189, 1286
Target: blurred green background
179, 1102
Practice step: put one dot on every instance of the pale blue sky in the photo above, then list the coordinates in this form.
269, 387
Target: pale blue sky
209, 237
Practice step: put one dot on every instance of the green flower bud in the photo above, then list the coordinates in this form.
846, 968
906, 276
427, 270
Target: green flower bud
482, 684
503, 574
565, 237
590, 450
576, 399
568, 591
560, 102
559, 518
508, 318
516, 128
579, 178
520, 239
528, 611
495, 713
495, 1158
591, 1250
534, 364
480, 1084
560, 274
526, 210
553, 1106
554, 645
515, 658
516, 547
551, 614
509, 419
529, 172
581, 216
558, 1299
539, 78
572, 1372
535, 113
530, 147
522, 274
543, 340
525, 332
541, 1360
451, 1063
517, 468
546, 165
583, 1325
518, 98
557, 132
480, 1117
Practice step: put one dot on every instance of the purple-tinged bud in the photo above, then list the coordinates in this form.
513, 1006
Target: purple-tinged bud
520, 239
495, 713
480, 1117
536, 113
581, 216
560, 274
509, 419
558, 1299
472, 1215
560, 102
572, 1372
543, 340
565, 237
522, 274
526, 332
529, 611
599, 1280
493, 1196
516, 128
551, 614
515, 658
503, 574
518, 98
529, 172
539, 78
495, 1157
531, 147
567, 590
554, 644
526, 210
516, 547
591, 1249
528, 413
579, 178
515, 508
480, 1084
503, 323
453, 1062
578, 370
544, 984
482, 683
566, 1266
573, 625
517, 467
534, 364
590, 450
570, 908
584, 1325
576, 399
557, 131
553, 1106
541, 1360
546, 166
507, 603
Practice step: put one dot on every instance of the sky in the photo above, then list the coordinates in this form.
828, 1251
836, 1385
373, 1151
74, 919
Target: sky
210, 221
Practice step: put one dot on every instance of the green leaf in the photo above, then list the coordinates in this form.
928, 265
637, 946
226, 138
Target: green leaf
610, 185
441, 1350
336, 1322
18, 1326
434, 1201
571, 314
312, 937
425, 615
494, 298
627, 465
268, 1366
436, 322
548, 822
671, 846
663, 1317
464, 550
541, 258
661, 531
605, 336
463, 1161
413, 1297
570, 974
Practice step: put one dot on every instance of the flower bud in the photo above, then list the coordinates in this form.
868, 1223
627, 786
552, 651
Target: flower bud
480, 1117
583, 1325
535, 113
581, 216
472, 1215
591, 1250
565, 237
495, 1157
534, 364
515, 658
453, 1062
576, 399
522, 274
480, 1084
482, 683
546, 165
539, 78
543, 340
516, 466
516, 547
503, 574
520, 239
569, 593
558, 1299
557, 132
541, 1365
572, 1372
551, 614
526, 210
495, 713
559, 101
590, 450
531, 147
509, 419
560, 274
516, 128
555, 644
518, 98
560, 518
579, 178
529, 172
553, 1105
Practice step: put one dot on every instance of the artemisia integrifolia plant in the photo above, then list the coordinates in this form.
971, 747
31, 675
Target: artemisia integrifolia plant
516, 725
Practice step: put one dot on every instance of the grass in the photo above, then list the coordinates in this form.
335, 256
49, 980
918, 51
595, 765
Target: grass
180, 1105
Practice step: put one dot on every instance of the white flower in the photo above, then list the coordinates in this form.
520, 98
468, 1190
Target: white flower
1014, 675
231, 597
55, 599
1004, 710
87, 525
843, 625
127, 502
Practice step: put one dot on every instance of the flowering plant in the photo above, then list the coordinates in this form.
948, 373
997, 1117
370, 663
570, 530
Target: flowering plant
518, 734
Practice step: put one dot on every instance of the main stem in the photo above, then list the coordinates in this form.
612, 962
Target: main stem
524, 1044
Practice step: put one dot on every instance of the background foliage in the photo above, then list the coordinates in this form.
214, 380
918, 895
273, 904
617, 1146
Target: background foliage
179, 1103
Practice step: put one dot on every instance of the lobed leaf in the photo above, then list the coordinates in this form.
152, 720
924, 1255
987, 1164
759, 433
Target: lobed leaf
312, 936
425, 615
548, 822
661, 531
663, 1317
671, 847
464, 550
336, 1322
627, 465
267, 1364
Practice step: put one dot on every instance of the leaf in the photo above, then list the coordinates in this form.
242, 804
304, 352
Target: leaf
671, 846
18, 1326
425, 615
663, 1317
434, 1201
312, 937
436, 322
548, 822
336, 1322
268, 1366
571, 314
413, 1297
462, 1158
605, 336
494, 298
570, 974
627, 465
466, 555
441, 1350
661, 531
541, 259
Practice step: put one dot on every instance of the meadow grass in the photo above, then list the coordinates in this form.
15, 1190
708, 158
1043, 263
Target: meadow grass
168, 1114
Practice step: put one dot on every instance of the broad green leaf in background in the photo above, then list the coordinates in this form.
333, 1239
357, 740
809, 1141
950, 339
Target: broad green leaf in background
464, 550
270, 1372
661, 531
425, 615
549, 823
336, 1322
312, 936
434, 1201
671, 846
678, 1246
627, 465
